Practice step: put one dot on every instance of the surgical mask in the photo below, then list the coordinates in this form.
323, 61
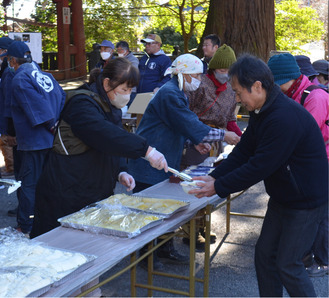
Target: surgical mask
121, 54
221, 77
194, 85
12, 69
105, 55
120, 100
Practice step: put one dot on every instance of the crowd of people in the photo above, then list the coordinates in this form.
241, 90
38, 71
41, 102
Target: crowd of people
70, 149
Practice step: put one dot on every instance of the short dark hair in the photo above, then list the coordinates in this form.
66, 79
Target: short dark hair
122, 44
215, 40
248, 69
120, 71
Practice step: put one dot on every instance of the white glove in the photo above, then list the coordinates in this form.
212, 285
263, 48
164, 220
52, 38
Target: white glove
157, 160
127, 180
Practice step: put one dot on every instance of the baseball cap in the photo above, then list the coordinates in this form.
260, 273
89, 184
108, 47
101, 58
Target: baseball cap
5, 42
107, 43
17, 49
151, 38
284, 68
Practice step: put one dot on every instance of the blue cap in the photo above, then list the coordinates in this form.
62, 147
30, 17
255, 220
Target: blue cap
107, 43
5, 42
17, 49
305, 65
284, 68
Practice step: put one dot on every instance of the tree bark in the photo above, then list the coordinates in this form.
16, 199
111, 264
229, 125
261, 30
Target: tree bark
245, 25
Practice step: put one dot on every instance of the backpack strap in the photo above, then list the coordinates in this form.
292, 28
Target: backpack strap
307, 91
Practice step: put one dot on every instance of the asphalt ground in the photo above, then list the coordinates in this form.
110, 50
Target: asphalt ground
232, 272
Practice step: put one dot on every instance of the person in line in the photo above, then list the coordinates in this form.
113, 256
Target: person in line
322, 67
37, 100
152, 65
292, 82
90, 148
287, 75
122, 48
306, 67
6, 141
214, 104
107, 51
167, 123
211, 44
283, 146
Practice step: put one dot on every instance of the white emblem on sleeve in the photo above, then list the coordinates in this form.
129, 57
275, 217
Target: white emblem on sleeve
43, 81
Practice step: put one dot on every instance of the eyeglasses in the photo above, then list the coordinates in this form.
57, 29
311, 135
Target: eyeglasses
149, 43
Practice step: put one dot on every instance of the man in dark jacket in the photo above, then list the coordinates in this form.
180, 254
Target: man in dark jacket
284, 147
153, 65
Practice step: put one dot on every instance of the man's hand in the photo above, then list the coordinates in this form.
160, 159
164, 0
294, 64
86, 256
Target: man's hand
231, 138
203, 148
206, 190
127, 180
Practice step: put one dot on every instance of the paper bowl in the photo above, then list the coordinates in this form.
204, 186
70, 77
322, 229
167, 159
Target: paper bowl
187, 186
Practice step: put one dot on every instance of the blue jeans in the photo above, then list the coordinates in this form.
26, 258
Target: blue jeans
286, 236
29, 173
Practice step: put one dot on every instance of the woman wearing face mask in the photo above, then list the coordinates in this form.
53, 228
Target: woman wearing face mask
90, 148
168, 122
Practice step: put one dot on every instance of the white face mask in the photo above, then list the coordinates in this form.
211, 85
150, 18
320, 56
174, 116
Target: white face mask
120, 100
105, 55
194, 85
121, 54
221, 77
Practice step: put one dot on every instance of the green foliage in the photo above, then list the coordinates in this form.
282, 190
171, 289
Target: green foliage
170, 37
45, 12
2, 20
187, 17
295, 26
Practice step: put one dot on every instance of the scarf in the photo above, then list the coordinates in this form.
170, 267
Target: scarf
220, 87
294, 87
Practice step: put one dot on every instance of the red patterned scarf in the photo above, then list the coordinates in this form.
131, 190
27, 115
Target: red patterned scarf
294, 87
220, 87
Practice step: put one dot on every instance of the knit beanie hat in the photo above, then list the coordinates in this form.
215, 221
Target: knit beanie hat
284, 68
223, 58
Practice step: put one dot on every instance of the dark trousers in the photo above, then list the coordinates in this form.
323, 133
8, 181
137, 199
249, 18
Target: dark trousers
286, 236
320, 246
29, 173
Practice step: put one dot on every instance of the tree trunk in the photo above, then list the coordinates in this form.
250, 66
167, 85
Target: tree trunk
245, 25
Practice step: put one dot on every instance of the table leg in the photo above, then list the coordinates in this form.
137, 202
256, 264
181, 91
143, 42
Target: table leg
192, 258
228, 214
207, 252
133, 272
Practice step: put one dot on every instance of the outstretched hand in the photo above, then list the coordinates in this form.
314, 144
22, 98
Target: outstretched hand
207, 189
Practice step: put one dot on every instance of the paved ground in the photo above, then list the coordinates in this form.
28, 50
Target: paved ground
232, 271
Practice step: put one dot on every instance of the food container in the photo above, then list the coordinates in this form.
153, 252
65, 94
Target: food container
111, 220
188, 186
30, 268
157, 206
